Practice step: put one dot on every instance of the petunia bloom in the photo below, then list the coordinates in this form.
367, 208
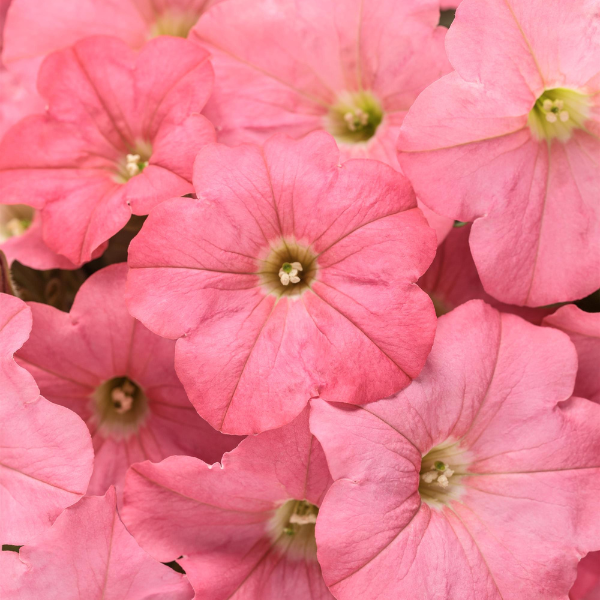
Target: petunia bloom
119, 377
46, 453
479, 481
351, 68
87, 554
584, 330
587, 585
452, 280
510, 141
254, 347
246, 528
120, 135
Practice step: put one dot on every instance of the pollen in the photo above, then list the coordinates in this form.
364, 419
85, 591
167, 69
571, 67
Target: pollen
289, 273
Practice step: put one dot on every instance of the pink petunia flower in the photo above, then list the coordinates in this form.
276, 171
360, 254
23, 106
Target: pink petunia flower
87, 554
584, 330
480, 481
351, 68
510, 140
119, 377
46, 454
587, 585
290, 277
120, 135
452, 280
246, 528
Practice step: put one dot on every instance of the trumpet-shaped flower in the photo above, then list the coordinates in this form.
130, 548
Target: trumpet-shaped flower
119, 377
120, 135
255, 342
246, 528
479, 481
510, 141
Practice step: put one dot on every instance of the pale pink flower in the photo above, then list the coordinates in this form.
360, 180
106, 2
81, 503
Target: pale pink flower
351, 68
452, 280
87, 554
584, 330
119, 377
120, 135
290, 277
479, 481
245, 528
46, 454
510, 140
587, 585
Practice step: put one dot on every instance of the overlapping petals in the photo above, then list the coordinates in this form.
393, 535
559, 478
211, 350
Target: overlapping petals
452, 280
227, 521
584, 330
87, 554
517, 506
252, 352
45, 451
120, 134
471, 153
77, 357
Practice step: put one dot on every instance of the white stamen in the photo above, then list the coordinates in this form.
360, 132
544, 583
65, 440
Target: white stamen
132, 167
442, 481
429, 476
291, 277
303, 519
121, 400
564, 116
551, 117
547, 105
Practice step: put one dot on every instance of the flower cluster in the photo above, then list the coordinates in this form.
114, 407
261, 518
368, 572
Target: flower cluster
298, 299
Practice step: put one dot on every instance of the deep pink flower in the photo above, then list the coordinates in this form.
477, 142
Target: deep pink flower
584, 330
120, 135
452, 280
510, 140
87, 554
119, 377
479, 481
246, 528
587, 585
343, 321
46, 454
352, 68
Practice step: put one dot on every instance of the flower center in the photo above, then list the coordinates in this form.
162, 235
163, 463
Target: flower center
292, 529
355, 117
120, 406
134, 163
289, 269
557, 112
176, 23
442, 469
14, 220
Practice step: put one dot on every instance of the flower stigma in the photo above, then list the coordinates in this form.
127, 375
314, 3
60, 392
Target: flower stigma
557, 113
289, 272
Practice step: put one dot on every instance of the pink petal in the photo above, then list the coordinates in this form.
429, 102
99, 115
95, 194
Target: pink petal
587, 586
584, 330
217, 516
45, 458
88, 553
452, 280
498, 387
